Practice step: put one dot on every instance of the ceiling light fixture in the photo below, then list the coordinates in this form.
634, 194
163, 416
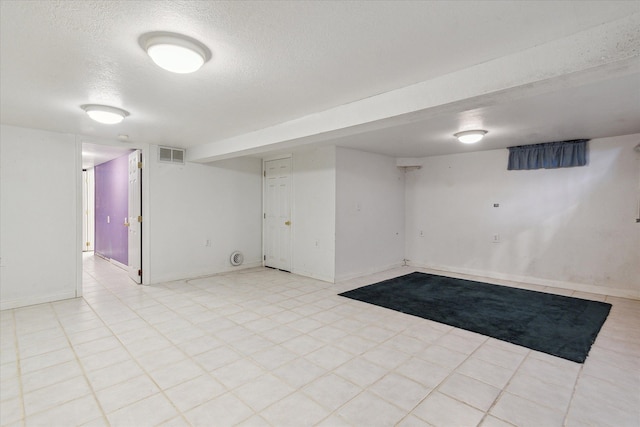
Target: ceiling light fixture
470, 136
105, 114
175, 52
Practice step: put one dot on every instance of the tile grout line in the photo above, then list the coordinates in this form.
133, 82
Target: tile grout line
164, 300
437, 386
134, 359
573, 393
503, 390
23, 410
84, 372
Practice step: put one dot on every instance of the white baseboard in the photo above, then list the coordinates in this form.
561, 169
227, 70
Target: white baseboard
189, 276
581, 287
349, 276
313, 276
118, 264
40, 299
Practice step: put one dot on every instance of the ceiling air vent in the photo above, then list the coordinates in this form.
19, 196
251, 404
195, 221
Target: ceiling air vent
236, 258
171, 155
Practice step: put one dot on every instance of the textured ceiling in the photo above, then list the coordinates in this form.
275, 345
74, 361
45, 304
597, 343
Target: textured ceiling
273, 61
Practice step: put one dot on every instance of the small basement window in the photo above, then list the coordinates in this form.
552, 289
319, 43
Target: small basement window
550, 155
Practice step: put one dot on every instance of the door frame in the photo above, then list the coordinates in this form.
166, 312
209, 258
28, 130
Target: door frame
135, 271
146, 162
264, 196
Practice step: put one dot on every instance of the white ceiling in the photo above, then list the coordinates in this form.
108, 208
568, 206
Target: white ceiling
277, 61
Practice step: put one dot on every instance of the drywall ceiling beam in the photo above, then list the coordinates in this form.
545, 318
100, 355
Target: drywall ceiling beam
603, 52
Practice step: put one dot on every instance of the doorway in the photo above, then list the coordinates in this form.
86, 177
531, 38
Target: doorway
112, 201
277, 214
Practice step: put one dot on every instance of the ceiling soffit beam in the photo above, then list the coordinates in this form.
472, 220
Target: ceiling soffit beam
600, 53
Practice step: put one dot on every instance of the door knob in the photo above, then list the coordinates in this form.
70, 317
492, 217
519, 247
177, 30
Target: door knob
287, 223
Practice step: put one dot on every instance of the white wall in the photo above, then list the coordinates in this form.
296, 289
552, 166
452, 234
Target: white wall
192, 203
572, 228
370, 211
313, 216
39, 225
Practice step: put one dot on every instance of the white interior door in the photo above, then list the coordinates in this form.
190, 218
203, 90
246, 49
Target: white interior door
135, 216
277, 214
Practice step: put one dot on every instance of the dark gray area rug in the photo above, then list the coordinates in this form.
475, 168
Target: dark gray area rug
554, 324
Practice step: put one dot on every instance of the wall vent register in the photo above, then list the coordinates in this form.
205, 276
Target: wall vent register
236, 258
171, 155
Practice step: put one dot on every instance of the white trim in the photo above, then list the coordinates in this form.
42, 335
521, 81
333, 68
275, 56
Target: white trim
40, 299
206, 273
146, 163
276, 157
291, 205
313, 276
349, 276
119, 264
499, 278
146, 216
263, 257
79, 218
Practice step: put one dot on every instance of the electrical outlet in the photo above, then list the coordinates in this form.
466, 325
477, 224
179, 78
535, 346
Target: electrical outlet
496, 238
207, 242
421, 233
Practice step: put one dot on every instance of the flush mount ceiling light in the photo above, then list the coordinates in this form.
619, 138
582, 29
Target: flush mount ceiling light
175, 52
105, 114
470, 136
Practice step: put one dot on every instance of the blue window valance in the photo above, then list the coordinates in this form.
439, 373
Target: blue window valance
550, 155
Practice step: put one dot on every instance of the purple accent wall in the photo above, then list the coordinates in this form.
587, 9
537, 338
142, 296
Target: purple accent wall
112, 199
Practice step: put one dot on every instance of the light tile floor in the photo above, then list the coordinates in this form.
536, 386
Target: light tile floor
262, 347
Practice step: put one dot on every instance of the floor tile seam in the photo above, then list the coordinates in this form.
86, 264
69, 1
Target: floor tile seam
95, 352
18, 331
436, 388
334, 412
545, 405
325, 371
145, 373
547, 383
135, 360
64, 402
84, 375
503, 389
57, 382
209, 372
616, 403
497, 364
608, 380
158, 331
128, 403
131, 403
91, 340
330, 411
408, 411
613, 351
44, 352
422, 358
23, 412
408, 354
565, 419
